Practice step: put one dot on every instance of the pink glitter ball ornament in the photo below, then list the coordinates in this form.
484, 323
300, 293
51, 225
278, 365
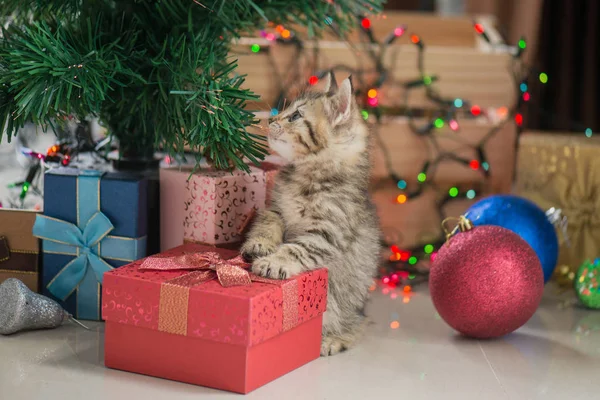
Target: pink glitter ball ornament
486, 282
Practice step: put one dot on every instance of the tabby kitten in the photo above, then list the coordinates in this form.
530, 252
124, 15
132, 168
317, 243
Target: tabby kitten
321, 214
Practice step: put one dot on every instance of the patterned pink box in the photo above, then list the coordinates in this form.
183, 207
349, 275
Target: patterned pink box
210, 207
220, 204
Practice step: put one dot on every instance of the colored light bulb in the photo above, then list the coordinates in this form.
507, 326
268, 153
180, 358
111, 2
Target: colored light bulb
255, 48
519, 119
522, 44
476, 110
471, 194
422, 177
313, 80
453, 124
439, 123
453, 192
502, 112
588, 132
428, 248
365, 114
474, 164
479, 28
399, 31
365, 23
401, 199
543, 77
458, 103
402, 184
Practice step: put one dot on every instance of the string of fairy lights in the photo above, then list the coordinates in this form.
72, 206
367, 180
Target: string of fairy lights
66, 149
446, 112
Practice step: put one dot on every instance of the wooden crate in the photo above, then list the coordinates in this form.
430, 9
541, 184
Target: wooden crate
418, 221
464, 67
410, 151
434, 30
469, 74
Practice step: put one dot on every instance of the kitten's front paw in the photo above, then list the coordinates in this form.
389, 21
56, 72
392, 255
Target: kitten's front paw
275, 267
332, 345
256, 248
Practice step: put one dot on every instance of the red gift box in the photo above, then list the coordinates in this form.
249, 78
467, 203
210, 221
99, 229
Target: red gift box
185, 325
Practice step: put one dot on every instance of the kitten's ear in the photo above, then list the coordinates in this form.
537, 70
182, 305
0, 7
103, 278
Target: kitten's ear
343, 102
330, 86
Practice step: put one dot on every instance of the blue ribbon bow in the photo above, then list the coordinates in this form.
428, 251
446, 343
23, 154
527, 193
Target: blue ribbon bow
85, 244
90, 243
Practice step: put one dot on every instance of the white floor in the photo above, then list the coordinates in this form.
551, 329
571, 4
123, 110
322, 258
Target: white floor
555, 356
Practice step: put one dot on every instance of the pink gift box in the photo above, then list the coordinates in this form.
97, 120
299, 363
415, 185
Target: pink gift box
220, 204
211, 207
271, 169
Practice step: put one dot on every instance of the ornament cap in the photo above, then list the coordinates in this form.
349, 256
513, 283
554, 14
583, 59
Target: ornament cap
557, 218
463, 224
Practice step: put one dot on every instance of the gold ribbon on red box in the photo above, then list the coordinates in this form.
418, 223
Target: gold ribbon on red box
205, 267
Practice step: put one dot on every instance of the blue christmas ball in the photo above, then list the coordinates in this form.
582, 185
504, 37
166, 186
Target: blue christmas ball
525, 219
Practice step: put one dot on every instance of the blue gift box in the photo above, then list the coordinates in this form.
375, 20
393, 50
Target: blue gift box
92, 222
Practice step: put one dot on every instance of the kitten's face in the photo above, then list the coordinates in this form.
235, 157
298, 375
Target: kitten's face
313, 122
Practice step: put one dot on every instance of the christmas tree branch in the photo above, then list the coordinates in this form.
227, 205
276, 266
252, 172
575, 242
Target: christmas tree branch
56, 72
158, 73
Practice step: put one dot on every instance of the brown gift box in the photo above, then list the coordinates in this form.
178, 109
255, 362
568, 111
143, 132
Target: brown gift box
563, 171
19, 249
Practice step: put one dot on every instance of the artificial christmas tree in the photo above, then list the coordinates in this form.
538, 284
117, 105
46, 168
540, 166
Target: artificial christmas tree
157, 73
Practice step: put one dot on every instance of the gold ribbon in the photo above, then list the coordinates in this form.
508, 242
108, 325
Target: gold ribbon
204, 267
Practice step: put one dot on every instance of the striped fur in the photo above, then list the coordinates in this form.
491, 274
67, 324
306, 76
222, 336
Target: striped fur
321, 214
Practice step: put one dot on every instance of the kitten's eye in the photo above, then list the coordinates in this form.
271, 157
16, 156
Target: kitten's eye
294, 116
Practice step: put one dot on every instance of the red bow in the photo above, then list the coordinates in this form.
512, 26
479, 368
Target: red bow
208, 266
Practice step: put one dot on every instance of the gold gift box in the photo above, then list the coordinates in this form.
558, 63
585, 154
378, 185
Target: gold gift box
563, 171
